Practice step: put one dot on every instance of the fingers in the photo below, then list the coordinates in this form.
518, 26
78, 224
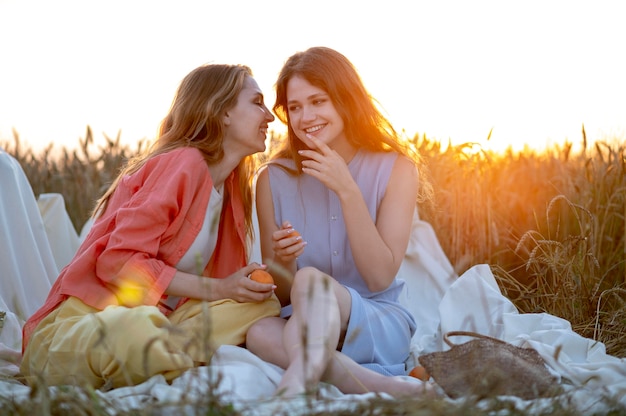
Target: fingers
310, 156
288, 244
323, 147
258, 291
250, 295
318, 151
286, 237
250, 290
246, 270
323, 163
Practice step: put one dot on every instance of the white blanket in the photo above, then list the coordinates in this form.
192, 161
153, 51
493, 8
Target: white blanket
59, 228
440, 301
27, 266
24, 248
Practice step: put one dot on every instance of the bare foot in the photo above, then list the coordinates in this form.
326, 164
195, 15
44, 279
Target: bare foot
288, 390
401, 386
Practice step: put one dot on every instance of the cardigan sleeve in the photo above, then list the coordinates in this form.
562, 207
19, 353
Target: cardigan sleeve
153, 224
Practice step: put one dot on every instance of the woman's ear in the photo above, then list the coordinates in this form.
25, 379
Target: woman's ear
226, 119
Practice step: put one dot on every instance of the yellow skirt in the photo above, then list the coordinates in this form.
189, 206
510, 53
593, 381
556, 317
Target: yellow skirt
119, 346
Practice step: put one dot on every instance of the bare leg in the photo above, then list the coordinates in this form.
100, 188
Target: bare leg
314, 325
311, 334
309, 338
265, 340
353, 378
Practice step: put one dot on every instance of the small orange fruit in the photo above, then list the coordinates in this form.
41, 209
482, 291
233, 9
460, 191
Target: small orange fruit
261, 276
419, 372
294, 233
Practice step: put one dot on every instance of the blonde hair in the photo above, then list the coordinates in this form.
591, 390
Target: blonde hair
195, 120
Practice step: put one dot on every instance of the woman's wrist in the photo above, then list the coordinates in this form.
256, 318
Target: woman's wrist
210, 288
282, 267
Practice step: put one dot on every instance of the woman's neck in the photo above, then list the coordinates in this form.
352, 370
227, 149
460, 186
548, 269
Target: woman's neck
221, 170
345, 149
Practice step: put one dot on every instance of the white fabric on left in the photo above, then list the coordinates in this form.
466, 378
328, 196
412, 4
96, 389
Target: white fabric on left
27, 266
61, 233
10, 343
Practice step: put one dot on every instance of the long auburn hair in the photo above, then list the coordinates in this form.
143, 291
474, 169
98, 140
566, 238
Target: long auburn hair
365, 125
195, 120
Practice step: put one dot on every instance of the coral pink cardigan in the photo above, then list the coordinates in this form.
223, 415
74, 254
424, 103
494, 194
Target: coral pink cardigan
151, 220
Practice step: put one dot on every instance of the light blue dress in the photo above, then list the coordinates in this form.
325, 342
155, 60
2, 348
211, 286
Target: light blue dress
380, 329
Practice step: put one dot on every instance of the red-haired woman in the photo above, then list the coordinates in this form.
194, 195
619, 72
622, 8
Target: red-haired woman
343, 180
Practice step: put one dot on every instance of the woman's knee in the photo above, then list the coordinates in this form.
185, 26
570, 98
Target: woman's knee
264, 332
311, 281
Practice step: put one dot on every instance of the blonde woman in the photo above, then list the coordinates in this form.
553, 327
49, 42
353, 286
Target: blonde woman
161, 280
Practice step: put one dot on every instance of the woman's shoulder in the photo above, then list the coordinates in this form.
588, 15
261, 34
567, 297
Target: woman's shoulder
183, 158
185, 163
187, 154
391, 157
367, 159
381, 167
284, 166
282, 162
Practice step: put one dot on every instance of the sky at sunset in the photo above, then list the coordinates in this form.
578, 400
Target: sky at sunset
531, 71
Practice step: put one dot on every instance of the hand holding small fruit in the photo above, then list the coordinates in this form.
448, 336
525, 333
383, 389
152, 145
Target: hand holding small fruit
287, 243
261, 276
239, 287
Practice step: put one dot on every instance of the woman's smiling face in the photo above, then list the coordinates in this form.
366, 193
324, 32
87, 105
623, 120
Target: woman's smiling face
247, 122
311, 111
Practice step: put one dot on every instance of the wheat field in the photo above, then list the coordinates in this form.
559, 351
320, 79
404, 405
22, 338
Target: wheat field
550, 224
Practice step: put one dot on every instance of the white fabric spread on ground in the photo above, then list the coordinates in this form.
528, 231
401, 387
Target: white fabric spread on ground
440, 301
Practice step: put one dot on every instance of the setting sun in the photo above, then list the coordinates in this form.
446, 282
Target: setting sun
528, 74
